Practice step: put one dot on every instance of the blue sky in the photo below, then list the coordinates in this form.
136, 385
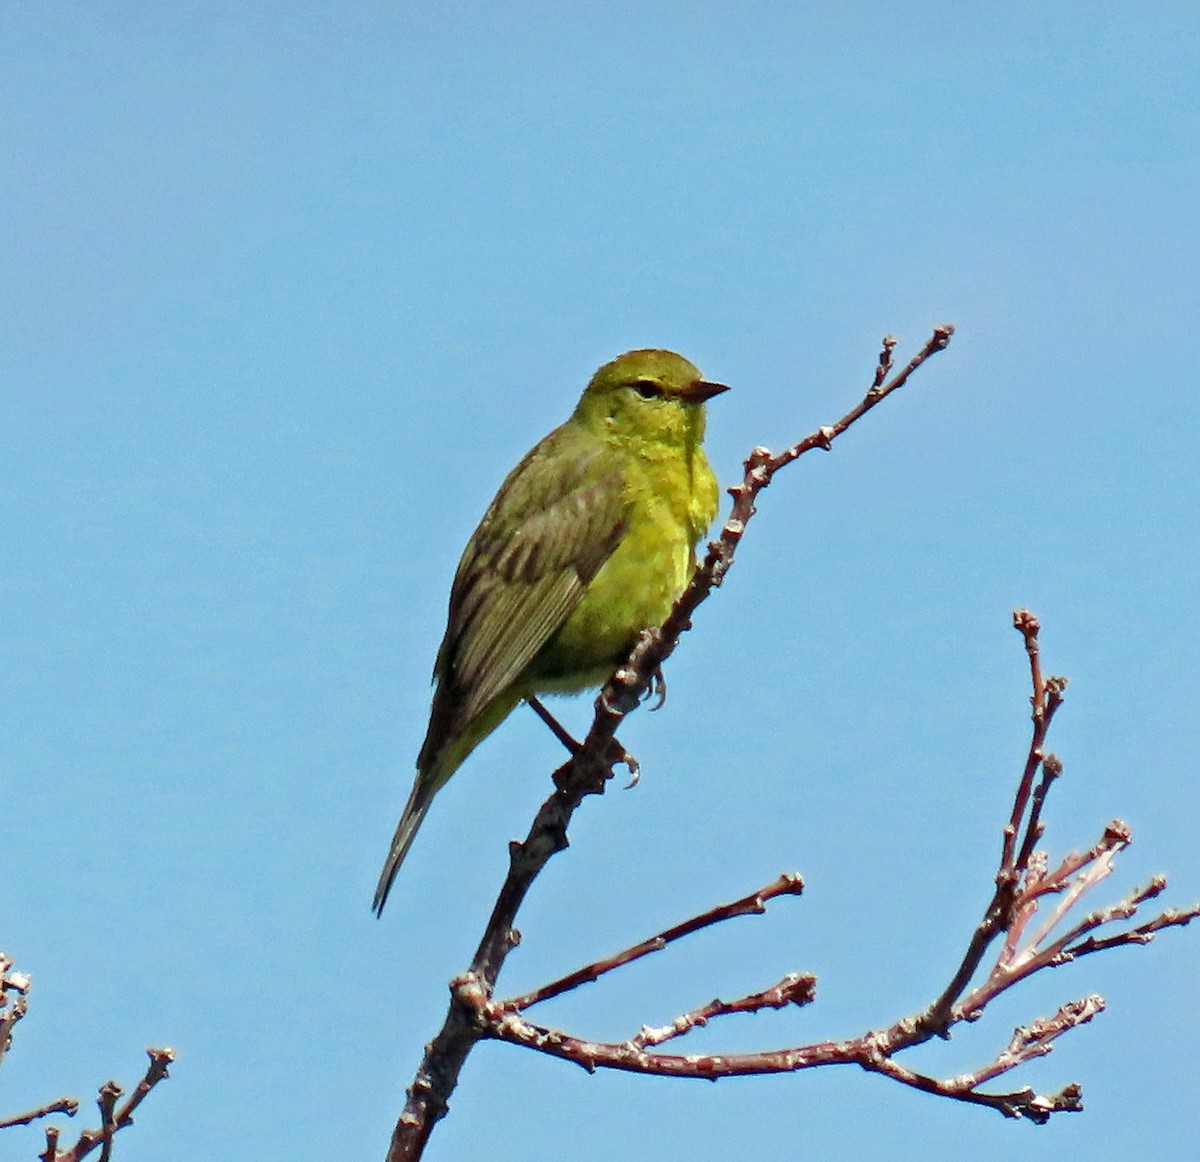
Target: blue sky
286, 289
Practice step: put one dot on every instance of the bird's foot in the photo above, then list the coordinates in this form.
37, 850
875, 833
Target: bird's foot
657, 689
614, 755
617, 754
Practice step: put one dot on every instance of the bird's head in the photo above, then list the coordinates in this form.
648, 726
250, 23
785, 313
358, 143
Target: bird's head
648, 395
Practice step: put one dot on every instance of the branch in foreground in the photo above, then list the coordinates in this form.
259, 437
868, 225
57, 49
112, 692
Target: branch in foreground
1022, 881
788, 884
592, 765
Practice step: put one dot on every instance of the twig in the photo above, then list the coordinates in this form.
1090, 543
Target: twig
788, 884
51, 1153
14, 997
113, 1117
795, 989
869, 1052
1017, 848
1142, 934
110, 1093
62, 1105
14, 987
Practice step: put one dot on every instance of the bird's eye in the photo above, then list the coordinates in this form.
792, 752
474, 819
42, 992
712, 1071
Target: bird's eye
646, 388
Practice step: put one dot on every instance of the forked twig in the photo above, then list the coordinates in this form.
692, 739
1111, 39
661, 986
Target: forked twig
113, 1116
14, 990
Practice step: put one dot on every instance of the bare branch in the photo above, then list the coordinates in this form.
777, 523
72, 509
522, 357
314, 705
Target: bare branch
795, 989
1142, 934
1020, 834
14, 987
870, 1052
62, 1105
1023, 881
113, 1117
788, 884
51, 1153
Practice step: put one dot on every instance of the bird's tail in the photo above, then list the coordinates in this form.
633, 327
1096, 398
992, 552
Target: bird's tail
415, 811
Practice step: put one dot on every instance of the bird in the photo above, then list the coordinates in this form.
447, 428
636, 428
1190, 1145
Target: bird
589, 541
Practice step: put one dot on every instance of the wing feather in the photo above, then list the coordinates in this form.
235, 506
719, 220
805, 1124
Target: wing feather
555, 521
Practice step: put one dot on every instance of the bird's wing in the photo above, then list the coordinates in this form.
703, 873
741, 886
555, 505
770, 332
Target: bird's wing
556, 520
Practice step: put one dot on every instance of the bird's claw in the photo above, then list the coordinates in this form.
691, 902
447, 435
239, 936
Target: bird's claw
657, 689
617, 754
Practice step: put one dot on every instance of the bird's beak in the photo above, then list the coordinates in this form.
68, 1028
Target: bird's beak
701, 391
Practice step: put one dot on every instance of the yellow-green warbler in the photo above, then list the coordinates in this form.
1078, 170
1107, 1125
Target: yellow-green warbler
589, 541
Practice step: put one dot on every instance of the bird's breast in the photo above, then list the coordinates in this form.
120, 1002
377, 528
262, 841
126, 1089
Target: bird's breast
639, 583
